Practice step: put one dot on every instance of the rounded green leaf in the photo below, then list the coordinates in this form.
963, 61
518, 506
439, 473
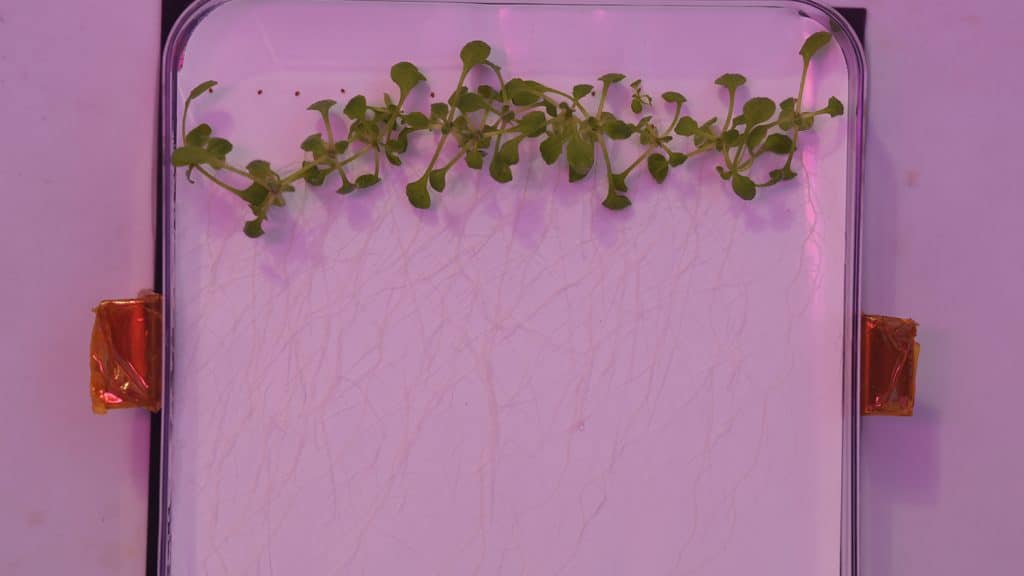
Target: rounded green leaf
198, 135
788, 104
340, 146
255, 194
533, 124
322, 106
580, 155
475, 159
367, 180
471, 102
731, 81
314, 176
347, 187
314, 143
616, 202
219, 147
509, 152
418, 194
636, 105
686, 126
356, 108
676, 159
618, 130
500, 170
200, 89
758, 110
834, 108
473, 53
778, 144
657, 165
612, 78
191, 156
551, 149
673, 97
437, 179
260, 169
439, 110
581, 90
814, 42
743, 187
253, 228
406, 76
756, 136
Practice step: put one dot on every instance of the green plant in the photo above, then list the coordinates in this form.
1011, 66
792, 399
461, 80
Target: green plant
488, 124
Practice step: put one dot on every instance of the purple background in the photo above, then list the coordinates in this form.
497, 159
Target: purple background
940, 490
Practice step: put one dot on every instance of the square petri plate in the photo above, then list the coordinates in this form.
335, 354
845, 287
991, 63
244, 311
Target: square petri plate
516, 381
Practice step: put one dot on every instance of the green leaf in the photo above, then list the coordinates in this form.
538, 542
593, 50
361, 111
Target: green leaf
657, 165
780, 174
743, 187
340, 146
356, 108
391, 155
834, 108
475, 159
673, 97
500, 171
756, 136
687, 126
260, 169
522, 92
533, 124
406, 76
575, 175
471, 102
255, 194
618, 130
778, 144
367, 180
616, 202
314, 143
788, 104
636, 105
418, 194
580, 154
191, 156
253, 228
314, 176
731, 137
322, 106
805, 122
347, 187
437, 179
676, 159
758, 110
581, 90
612, 78
439, 110
198, 135
473, 53
551, 149
219, 147
488, 92
731, 81
787, 119
200, 89
509, 152
814, 42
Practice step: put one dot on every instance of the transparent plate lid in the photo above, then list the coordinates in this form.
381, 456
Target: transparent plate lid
516, 381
